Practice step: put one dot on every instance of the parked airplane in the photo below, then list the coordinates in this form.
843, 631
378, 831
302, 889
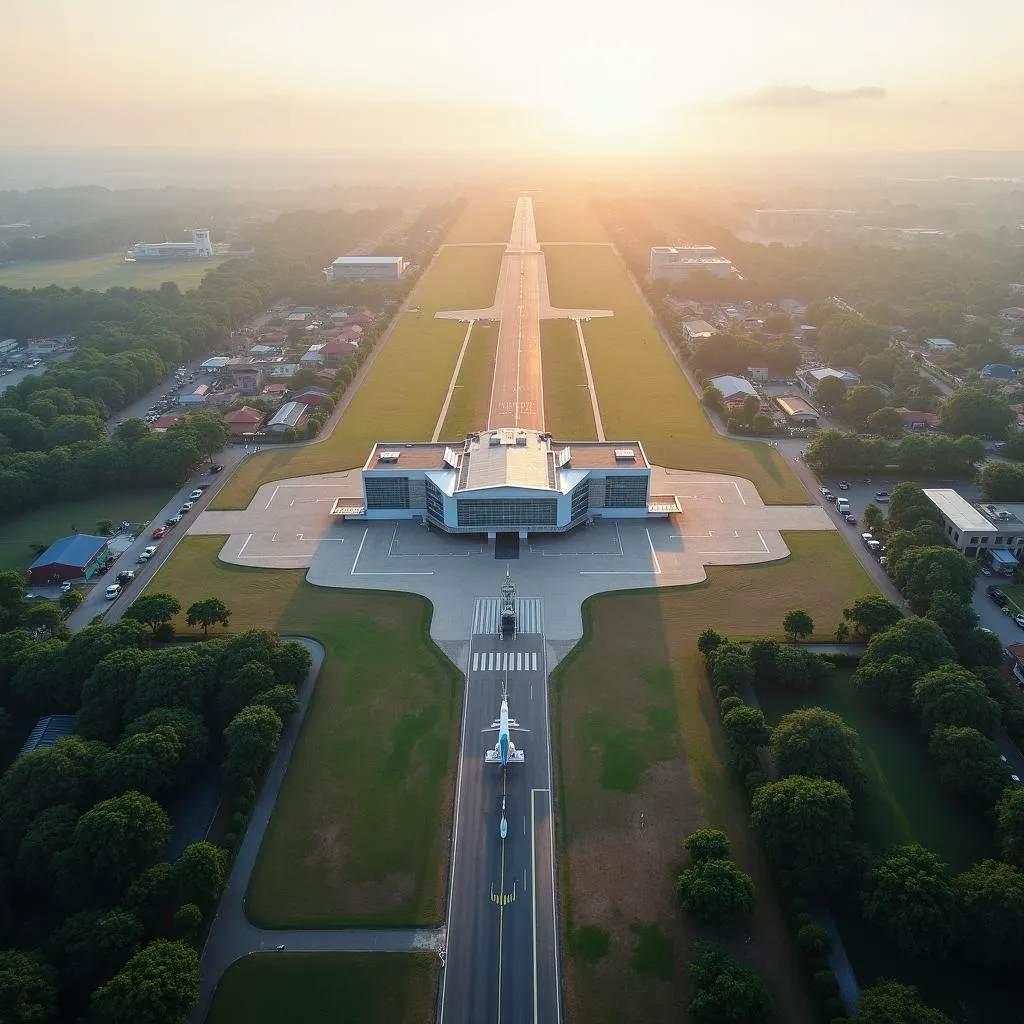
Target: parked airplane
504, 750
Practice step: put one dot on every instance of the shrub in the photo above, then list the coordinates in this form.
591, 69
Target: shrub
825, 985
813, 941
729, 703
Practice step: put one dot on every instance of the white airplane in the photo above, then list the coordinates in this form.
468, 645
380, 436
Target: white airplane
504, 750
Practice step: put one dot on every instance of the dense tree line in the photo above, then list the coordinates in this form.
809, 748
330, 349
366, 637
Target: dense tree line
91, 918
838, 452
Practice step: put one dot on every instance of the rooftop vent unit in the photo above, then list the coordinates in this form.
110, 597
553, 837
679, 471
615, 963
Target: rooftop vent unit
451, 458
625, 455
563, 457
521, 439
388, 456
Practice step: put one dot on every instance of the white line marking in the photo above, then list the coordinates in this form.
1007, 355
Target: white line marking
533, 902
242, 548
739, 492
354, 572
272, 497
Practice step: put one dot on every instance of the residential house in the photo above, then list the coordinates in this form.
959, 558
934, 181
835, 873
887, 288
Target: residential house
335, 352
314, 357
284, 371
223, 399
163, 423
939, 344
291, 414
197, 396
243, 421
246, 376
275, 390
797, 410
915, 419
735, 390
310, 396
275, 339
697, 330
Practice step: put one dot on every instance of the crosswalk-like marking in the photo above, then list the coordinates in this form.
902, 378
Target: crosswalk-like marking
529, 615
504, 661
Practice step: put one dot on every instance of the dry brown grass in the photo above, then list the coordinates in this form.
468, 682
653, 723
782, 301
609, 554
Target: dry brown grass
637, 732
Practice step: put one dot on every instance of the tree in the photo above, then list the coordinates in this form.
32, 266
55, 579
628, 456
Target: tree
751, 407
887, 422
805, 824
107, 691
715, 891
291, 662
992, 900
240, 690
69, 602
211, 611
863, 401
188, 923
909, 895
170, 678
745, 728
830, 392
731, 668
152, 897
12, 600
250, 742
797, 624
967, 764
801, 670
972, 410
890, 1002
909, 506
159, 985
27, 992
874, 519
145, 761
282, 699
48, 616
154, 610
951, 695
112, 843
1001, 481
92, 946
200, 874
711, 399
818, 743
722, 989
708, 641
210, 431
872, 614
188, 728
922, 572
706, 844
1010, 825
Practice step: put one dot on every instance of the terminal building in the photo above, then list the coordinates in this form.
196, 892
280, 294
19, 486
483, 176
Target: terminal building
507, 480
200, 248
678, 262
389, 268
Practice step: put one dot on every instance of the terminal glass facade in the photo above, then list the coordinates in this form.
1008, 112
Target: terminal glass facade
625, 492
507, 513
387, 492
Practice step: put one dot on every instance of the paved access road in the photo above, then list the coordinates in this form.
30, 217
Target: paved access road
517, 393
501, 961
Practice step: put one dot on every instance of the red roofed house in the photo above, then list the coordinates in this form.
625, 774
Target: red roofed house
364, 318
160, 425
243, 421
311, 396
335, 351
916, 420
276, 339
276, 390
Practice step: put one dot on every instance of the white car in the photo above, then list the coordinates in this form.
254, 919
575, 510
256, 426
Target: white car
196, 494
112, 591
65, 586
1019, 619
148, 553
187, 507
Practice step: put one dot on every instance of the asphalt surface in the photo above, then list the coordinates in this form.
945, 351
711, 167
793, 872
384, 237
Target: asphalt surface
502, 947
517, 392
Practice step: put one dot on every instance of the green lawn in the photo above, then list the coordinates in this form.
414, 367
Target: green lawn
1015, 595
640, 389
904, 804
44, 525
98, 273
401, 397
567, 409
327, 988
360, 832
641, 762
484, 220
472, 396
566, 219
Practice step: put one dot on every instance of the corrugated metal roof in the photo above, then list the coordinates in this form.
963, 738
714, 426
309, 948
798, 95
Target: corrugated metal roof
958, 510
76, 550
288, 415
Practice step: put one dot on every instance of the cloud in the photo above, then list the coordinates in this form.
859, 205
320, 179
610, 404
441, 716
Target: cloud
807, 96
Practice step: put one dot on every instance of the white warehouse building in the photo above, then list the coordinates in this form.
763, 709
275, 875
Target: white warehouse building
507, 480
678, 262
388, 267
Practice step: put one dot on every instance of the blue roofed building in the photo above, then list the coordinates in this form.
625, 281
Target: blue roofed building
69, 558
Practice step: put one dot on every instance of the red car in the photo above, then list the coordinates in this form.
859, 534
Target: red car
158, 533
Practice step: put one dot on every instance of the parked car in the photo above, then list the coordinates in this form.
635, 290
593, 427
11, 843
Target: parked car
187, 507
173, 521
147, 554
125, 576
159, 532
851, 518
112, 591
998, 596
195, 495
1019, 619
65, 586
216, 468
985, 570
844, 485
882, 496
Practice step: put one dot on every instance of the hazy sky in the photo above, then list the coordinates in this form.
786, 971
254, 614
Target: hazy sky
560, 74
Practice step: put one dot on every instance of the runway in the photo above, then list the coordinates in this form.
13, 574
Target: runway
517, 391
501, 962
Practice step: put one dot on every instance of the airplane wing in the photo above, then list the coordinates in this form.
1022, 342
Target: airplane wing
493, 728
493, 757
513, 724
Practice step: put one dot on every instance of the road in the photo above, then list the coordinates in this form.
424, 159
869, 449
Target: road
517, 391
502, 942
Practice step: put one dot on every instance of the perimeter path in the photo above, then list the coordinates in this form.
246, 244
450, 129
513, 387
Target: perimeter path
520, 303
231, 934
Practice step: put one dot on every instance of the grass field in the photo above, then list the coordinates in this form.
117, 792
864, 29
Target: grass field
327, 988
567, 410
360, 831
472, 396
641, 391
98, 273
402, 395
566, 219
44, 525
903, 804
485, 220
641, 763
